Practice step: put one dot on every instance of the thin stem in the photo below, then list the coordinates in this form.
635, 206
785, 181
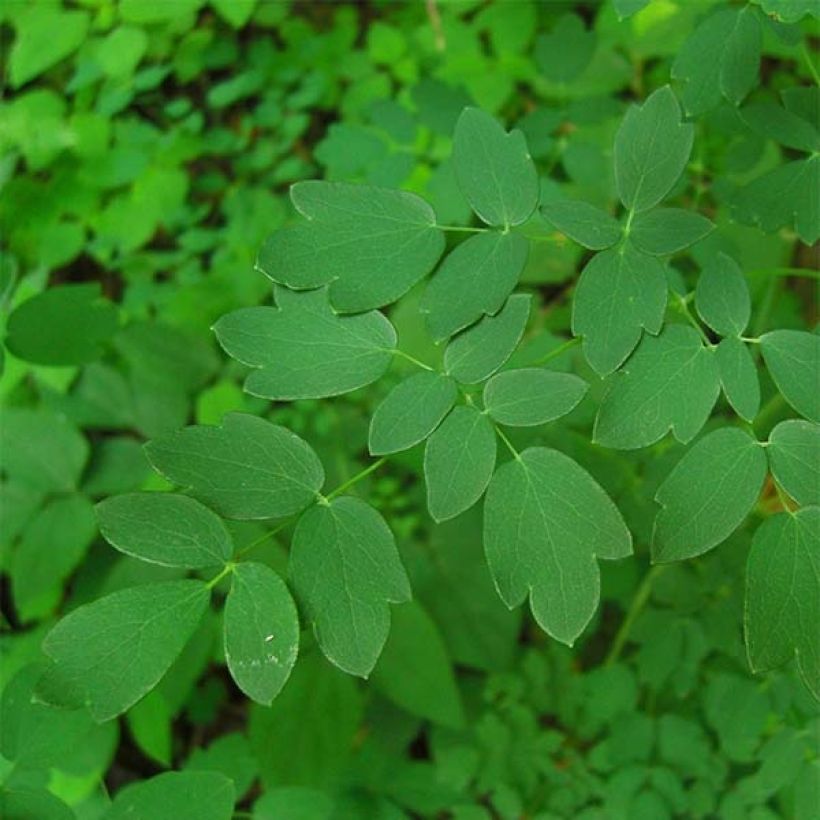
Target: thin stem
226, 570
809, 62
806, 273
506, 441
635, 608
357, 478
264, 537
413, 359
556, 352
461, 229
684, 309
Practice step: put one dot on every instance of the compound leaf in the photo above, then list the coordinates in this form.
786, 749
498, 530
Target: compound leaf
246, 468
473, 280
303, 349
165, 528
64, 325
644, 400
738, 377
794, 457
532, 395
175, 796
620, 292
652, 147
722, 296
345, 569
494, 169
458, 462
261, 631
793, 360
410, 412
545, 522
583, 223
664, 231
116, 649
783, 595
708, 494
480, 350
351, 235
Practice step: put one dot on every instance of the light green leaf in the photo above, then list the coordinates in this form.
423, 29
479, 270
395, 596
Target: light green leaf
473, 280
44, 35
652, 147
261, 631
41, 449
458, 462
793, 360
345, 569
794, 457
532, 395
545, 522
644, 400
583, 223
414, 670
738, 377
664, 231
480, 350
64, 325
298, 802
564, 53
51, 547
175, 796
116, 649
165, 528
732, 40
708, 494
722, 296
410, 412
149, 724
620, 293
235, 12
303, 349
33, 804
626, 8
247, 468
783, 595
494, 169
351, 235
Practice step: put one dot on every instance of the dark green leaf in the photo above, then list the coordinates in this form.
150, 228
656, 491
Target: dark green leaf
531, 395
794, 456
793, 360
664, 231
564, 53
782, 126
583, 223
722, 296
738, 377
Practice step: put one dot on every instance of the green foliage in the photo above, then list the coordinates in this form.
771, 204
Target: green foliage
361, 325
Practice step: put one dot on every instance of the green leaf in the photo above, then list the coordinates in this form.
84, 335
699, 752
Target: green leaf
473, 280
149, 724
458, 462
64, 325
793, 360
351, 235
732, 40
722, 296
708, 495
583, 223
235, 12
644, 400
620, 292
261, 631
652, 147
298, 802
783, 595
30, 804
175, 796
794, 457
545, 522
414, 670
494, 169
42, 450
664, 231
564, 53
247, 468
782, 125
479, 351
345, 569
626, 8
44, 36
230, 755
738, 377
51, 547
116, 649
303, 349
532, 395
410, 412
786, 196
165, 528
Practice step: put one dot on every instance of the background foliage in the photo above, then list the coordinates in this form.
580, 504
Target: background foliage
148, 149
